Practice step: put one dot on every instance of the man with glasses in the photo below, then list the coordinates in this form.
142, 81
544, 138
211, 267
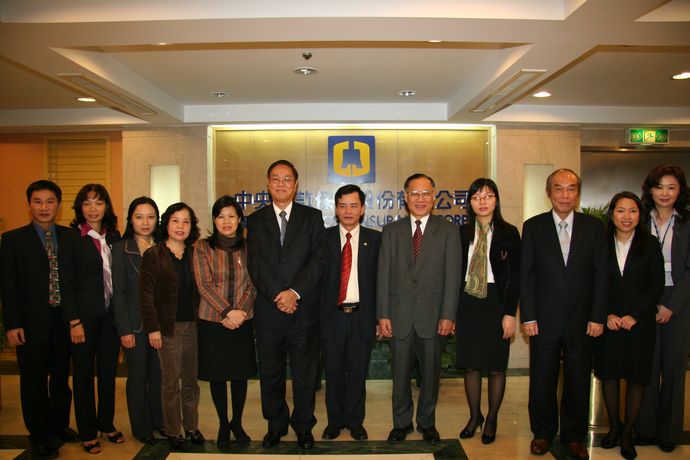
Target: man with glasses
417, 294
286, 263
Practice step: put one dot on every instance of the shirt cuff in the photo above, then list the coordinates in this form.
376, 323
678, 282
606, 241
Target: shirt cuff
299, 297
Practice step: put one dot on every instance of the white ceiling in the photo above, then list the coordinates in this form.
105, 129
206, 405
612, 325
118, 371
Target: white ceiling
604, 61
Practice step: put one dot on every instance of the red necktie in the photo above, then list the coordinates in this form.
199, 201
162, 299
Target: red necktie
417, 240
345, 268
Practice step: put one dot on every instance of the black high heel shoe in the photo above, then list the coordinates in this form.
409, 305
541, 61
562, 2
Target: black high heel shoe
628, 451
223, 439
469, 429
240, 435
611, 439
486, 437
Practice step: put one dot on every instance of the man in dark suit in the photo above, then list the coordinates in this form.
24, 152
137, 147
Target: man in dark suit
348, 313
34, 322
563, 305
286, 264
417, 293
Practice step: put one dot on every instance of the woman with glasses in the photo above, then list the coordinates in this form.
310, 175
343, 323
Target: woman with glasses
486, 314
665, 197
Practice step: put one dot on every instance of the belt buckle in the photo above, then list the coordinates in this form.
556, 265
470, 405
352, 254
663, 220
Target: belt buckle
349, 309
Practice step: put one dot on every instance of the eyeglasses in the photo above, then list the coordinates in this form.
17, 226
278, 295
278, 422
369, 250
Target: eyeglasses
287, 180
417, 194
487, 197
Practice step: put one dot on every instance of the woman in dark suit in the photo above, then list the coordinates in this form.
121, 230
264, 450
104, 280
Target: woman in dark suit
624, 351
486, 313
143, 367
665, 197
86, 289
169, 307
226, 312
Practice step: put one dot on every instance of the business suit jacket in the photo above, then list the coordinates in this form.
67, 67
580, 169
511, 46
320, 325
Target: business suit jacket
680, 267
419, 295
126, 270
562, 299
298, 264
504, 257
24, 270
367, 263
81, 274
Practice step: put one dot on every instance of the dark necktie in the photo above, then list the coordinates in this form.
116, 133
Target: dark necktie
53, 275
345, 268
283, 226
417, 240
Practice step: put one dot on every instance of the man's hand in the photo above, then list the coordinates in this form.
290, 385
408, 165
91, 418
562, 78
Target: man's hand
445, 326
531, 328
385, 328
77, 333
663, 314
128, 341
508, 324
286, 301
627, 322
613, 322
594, 329
156, 340
16, 336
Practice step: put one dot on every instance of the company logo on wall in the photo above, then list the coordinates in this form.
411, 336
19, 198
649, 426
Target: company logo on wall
351, 159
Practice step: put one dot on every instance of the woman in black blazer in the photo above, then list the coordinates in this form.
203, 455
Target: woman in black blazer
665, 197
86, 289
624, 351
486, 313
143, 368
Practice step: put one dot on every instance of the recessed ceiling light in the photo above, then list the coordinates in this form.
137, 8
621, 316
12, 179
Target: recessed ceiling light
681, 76
219, 94
435, 41
161, 44
407, 93
86, 99
542, 94
305, 71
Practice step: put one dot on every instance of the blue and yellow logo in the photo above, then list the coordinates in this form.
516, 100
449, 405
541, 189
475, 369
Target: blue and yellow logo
351, 159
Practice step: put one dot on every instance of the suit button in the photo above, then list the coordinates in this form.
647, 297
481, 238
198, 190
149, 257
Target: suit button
283, 260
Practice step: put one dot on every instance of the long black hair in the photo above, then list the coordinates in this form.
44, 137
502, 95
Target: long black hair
165, 220
109, 219
129, 231
475, 187
641, 228
652, 181
226, 201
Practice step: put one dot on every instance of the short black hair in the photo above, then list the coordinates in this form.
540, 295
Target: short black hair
109, 219
652, 180
284, 163
129, 231
226, 201
43, 185
549, 180
416, 176
165, 220
346, 190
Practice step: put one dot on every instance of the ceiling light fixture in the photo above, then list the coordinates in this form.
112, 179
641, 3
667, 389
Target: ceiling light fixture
305, 71
106, 96
161, 44
407, 93
681, 76
504, 95
541, 94
219, 94
86, 99
435, 41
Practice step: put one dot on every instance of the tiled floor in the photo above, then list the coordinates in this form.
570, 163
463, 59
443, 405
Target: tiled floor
512, 441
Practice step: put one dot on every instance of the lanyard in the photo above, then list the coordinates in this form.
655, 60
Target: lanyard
658, 234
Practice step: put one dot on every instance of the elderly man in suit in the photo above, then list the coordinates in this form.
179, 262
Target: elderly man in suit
348, 313
286, 263
563, 306
33, 320
417, 293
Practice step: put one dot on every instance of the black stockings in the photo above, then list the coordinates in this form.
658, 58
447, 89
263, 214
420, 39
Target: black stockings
634, 394
473, 391
219, 394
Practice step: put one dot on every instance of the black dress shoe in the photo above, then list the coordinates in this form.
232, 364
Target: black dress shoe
223, 439
399, 434
489, 434
610, 440
195, 436
67, 435
272, 438
331, 432
471, 427
178, 443
430, 434
305, 440
45, 450
148, 440
358, 433
667, 446
241, 436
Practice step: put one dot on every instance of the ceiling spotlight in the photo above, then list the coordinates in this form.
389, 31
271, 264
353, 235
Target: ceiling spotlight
305, 71
219, 94
86, 99
434, 41
407, 92
681, 76
542, 94
161, 44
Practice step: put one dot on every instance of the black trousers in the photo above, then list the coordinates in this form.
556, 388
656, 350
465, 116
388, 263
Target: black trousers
97, 356
43, 375
346, 358
545, 360
301, 345
143, 387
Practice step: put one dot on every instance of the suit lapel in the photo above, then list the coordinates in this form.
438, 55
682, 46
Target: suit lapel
34, 241
427, 241
271, 223
293, 224
552, 237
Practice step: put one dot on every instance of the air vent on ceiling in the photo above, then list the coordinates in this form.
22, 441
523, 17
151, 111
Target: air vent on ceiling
504, 94
107, 96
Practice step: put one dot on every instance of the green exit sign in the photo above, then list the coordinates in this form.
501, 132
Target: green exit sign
648, 136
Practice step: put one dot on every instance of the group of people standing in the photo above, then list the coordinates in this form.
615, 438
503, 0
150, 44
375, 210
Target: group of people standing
186, 309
